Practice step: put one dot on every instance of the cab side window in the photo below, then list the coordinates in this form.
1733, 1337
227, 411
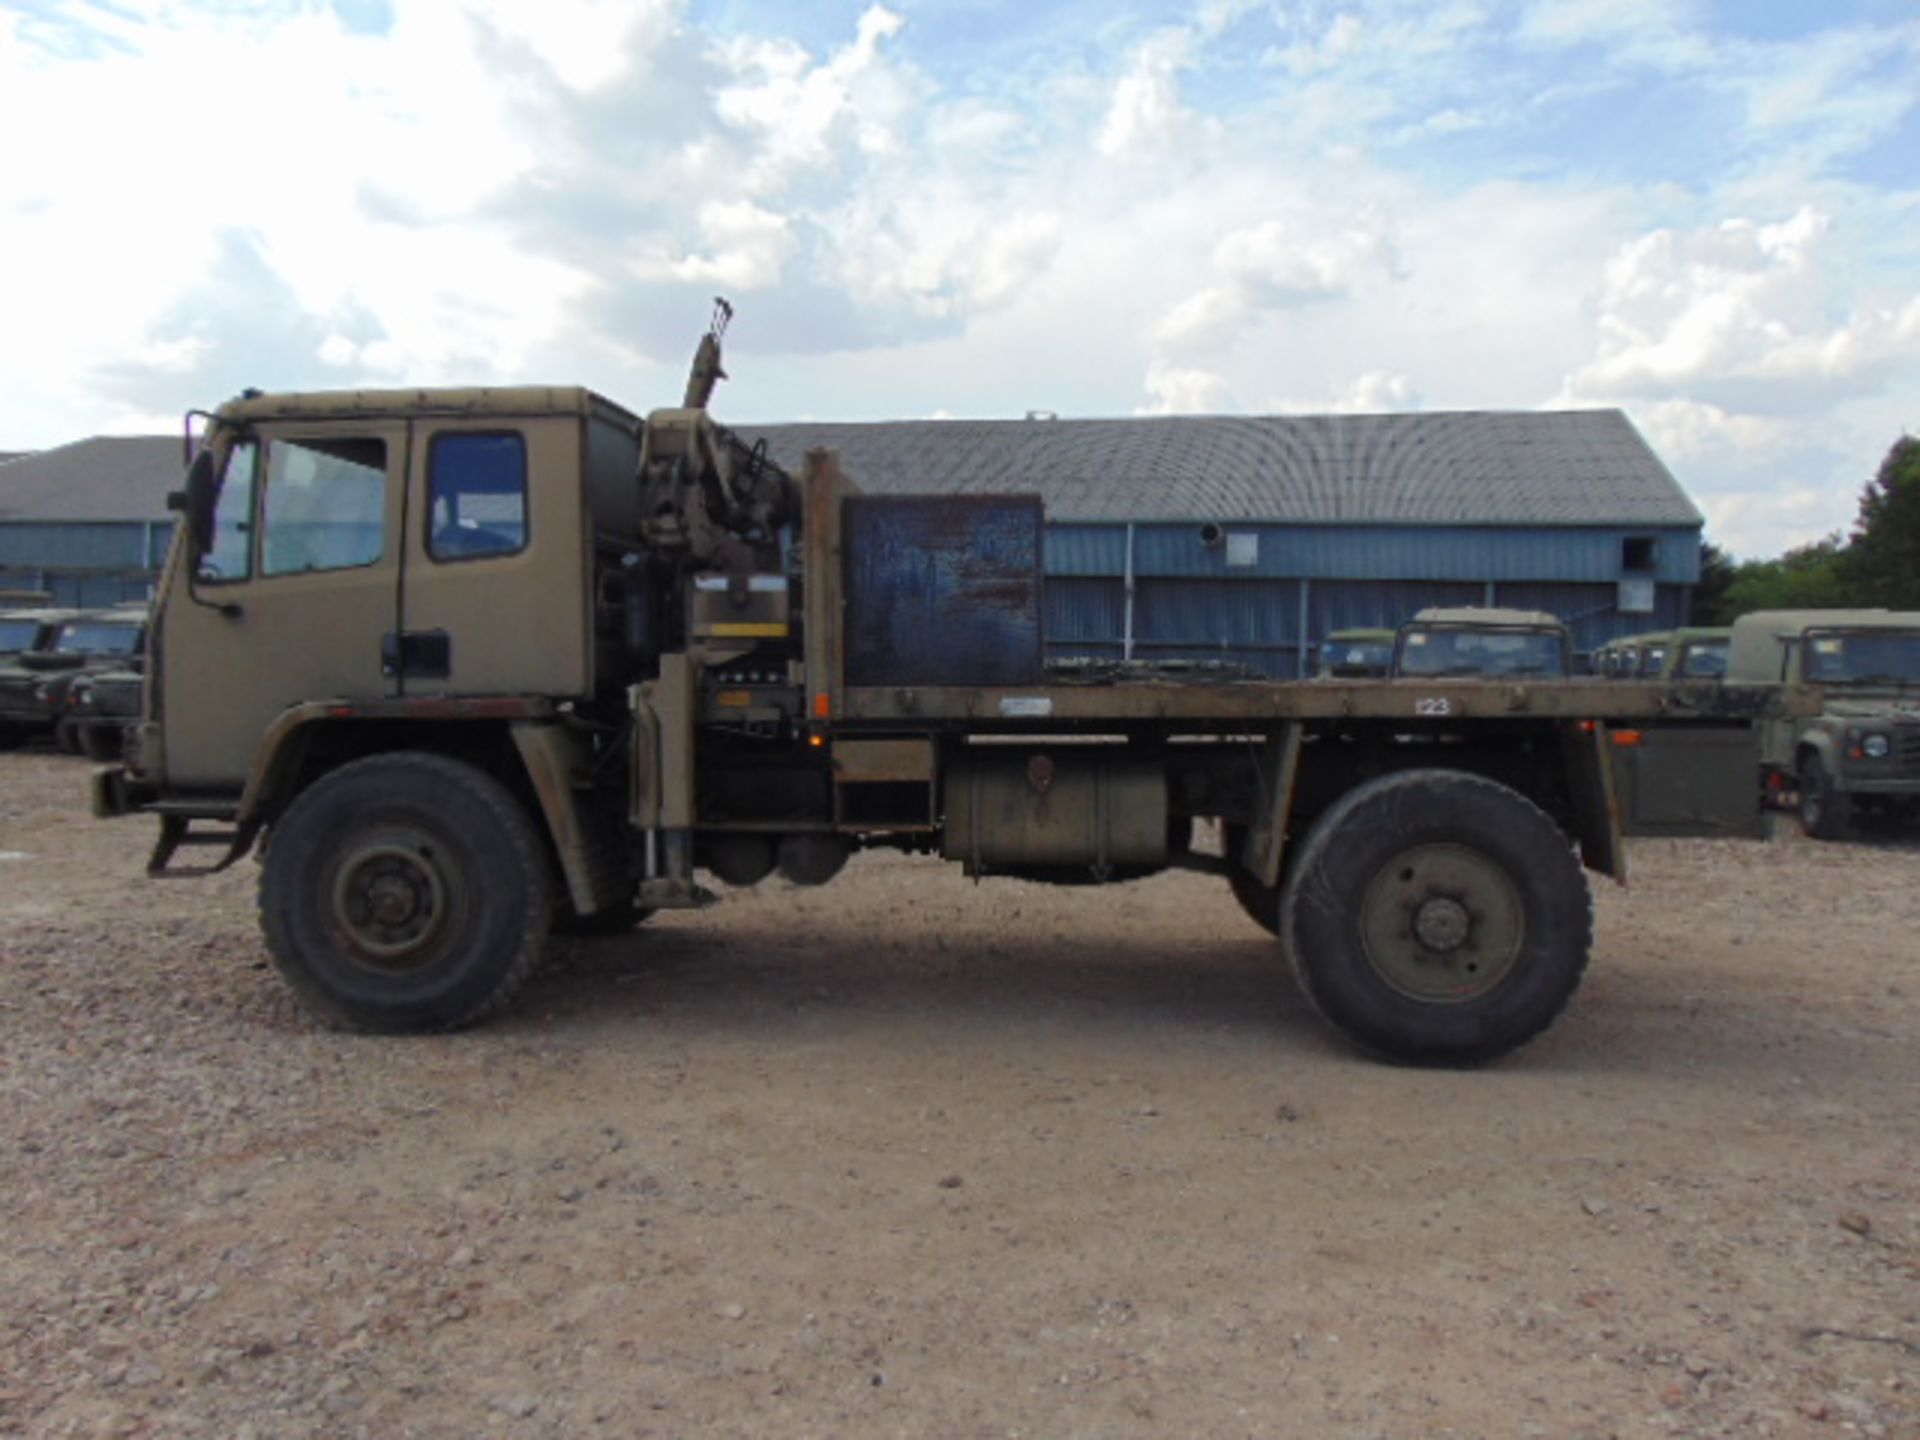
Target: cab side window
324, 505
476, 495
231, 557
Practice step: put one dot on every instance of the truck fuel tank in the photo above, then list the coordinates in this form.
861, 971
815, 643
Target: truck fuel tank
1014, 807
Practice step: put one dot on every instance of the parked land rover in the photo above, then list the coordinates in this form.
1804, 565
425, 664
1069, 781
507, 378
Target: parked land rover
1465, 642
1861, 754
34, 687
1356, 654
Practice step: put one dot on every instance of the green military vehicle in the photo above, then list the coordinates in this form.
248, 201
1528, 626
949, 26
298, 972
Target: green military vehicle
33, 682
1861, 754
35, 691
101, 706
1460, 642
1356, 654
1695, 652
479, 663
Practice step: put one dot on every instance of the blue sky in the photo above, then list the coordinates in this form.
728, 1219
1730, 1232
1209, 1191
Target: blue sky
1707, 214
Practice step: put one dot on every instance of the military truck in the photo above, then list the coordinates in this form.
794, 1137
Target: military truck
23, 632
1356, 654
1457, 642
473, 664
1695, 652
1861, 754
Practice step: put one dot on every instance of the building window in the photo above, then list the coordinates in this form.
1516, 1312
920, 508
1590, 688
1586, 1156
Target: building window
1638, 553
324, 505
477, 496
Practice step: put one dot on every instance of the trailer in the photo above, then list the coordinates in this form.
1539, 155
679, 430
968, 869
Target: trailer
467, 667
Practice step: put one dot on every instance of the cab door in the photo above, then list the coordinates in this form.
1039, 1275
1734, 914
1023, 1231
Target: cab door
1688, 779
293, 600
496, 570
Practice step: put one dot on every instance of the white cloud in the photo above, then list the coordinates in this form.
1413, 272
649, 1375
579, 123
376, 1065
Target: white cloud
1175, 391
1146, 115
1739, 305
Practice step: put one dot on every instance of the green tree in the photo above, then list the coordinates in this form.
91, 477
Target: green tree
1717, 574
1806, 578
1882, 565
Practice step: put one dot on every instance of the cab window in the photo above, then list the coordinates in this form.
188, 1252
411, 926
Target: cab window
231, 557
324, 505
476, 495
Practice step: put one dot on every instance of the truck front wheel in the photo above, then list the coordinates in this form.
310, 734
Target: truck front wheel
1437, 917
405, 892
1823, 813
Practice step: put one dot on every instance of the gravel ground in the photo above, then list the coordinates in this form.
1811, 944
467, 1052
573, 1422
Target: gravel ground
904, 1156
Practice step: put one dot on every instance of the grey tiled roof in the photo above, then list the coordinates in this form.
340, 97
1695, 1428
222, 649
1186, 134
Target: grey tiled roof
110, 477
1575, 467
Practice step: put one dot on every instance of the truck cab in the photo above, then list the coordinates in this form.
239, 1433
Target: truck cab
1491, 643
1861, 754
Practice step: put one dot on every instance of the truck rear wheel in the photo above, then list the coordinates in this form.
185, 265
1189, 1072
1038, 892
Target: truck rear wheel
405, 892
1437, 917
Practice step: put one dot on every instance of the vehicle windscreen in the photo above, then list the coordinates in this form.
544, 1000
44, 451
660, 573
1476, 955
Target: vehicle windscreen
18, 634
1863, 657
97, 637
1347, 658
1653, 660
1703, 660
1482, 652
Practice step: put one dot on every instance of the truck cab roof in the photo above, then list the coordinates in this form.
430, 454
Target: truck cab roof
467, 400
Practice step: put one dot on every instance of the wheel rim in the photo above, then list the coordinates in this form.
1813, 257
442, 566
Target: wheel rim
394, 899
1443, 924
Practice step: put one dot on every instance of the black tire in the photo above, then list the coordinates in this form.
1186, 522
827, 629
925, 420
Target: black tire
1823, 814
1261, 902
405, 892
1437, 917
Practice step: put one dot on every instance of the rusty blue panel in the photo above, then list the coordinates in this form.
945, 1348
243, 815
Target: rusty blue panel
942, 590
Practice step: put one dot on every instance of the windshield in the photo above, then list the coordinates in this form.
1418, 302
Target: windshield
1703, 660
1343, 657
1863, 657
1653, 660
97, 637
18, 634
1482, 652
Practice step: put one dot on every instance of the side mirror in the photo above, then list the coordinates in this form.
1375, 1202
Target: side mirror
197, 502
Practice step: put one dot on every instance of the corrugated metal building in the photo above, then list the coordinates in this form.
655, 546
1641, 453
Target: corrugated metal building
1249, 539
1240, 538
88, 521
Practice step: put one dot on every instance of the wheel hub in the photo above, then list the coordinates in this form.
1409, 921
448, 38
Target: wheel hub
1442, 923
389, 898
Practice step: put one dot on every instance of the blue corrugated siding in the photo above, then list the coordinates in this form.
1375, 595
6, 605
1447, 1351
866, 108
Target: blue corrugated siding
1086, 549
1360, 552
1369, 604
1230, 614
1080, 609
76, 545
